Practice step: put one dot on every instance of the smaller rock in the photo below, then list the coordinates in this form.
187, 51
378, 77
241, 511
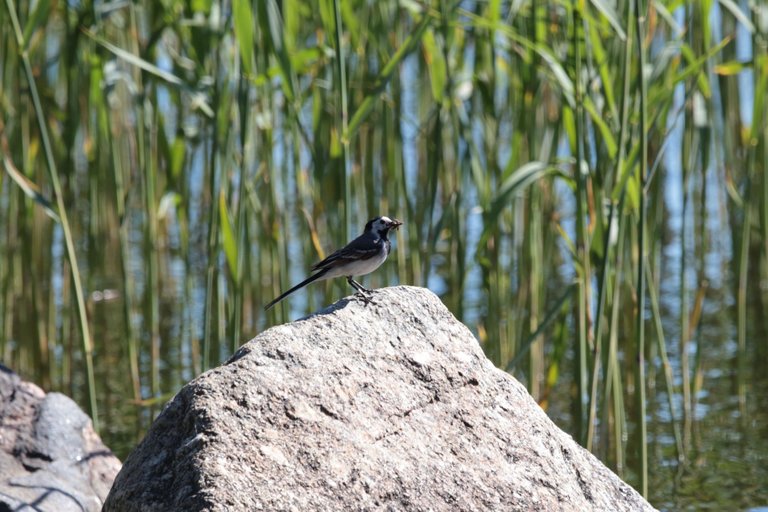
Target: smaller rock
50, 457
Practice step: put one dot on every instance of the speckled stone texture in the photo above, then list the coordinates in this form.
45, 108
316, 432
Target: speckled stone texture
50, 457
383, 406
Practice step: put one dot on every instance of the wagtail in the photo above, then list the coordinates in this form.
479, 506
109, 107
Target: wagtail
361, 256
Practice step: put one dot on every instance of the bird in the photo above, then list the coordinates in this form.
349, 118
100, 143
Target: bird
361, 256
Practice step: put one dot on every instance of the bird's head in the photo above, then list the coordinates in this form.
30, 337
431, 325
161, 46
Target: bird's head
382, 225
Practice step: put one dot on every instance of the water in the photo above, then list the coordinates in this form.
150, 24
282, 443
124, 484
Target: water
725, 464
724, 426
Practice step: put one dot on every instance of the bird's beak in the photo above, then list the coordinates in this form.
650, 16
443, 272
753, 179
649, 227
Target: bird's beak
395, 224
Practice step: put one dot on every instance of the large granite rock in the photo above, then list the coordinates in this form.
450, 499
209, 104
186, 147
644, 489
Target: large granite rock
50, 457
386, 406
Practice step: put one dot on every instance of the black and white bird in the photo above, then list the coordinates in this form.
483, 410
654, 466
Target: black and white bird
361, 256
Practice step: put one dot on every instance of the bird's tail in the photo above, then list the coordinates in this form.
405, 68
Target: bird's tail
305, 282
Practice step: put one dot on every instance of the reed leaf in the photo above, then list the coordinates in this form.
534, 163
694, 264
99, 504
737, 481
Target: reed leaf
243, 26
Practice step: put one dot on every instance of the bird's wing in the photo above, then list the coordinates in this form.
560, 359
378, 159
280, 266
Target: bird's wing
361, 248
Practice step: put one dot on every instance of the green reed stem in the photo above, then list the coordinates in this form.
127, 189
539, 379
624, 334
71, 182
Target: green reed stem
212, 246
128, 288
147, 162
68, 240
211, 273
241, 223
641, 276
668, 376
342, 131
613, 374
741, 293
5, 278
582, 243
602, 294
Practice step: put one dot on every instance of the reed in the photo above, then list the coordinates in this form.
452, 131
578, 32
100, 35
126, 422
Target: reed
550, 160
642, 229
51, 164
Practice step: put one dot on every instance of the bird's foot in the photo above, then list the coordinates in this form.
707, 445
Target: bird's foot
366, 298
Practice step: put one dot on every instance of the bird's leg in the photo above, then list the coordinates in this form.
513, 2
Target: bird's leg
357, 286
361, 290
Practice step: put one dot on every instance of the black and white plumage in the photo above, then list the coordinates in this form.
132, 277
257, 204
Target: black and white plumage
361, 256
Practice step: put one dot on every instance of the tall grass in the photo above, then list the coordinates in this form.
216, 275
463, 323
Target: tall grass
210, 152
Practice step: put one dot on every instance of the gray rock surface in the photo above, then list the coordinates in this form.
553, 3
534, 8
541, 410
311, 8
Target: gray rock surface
386, 406
50, 457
